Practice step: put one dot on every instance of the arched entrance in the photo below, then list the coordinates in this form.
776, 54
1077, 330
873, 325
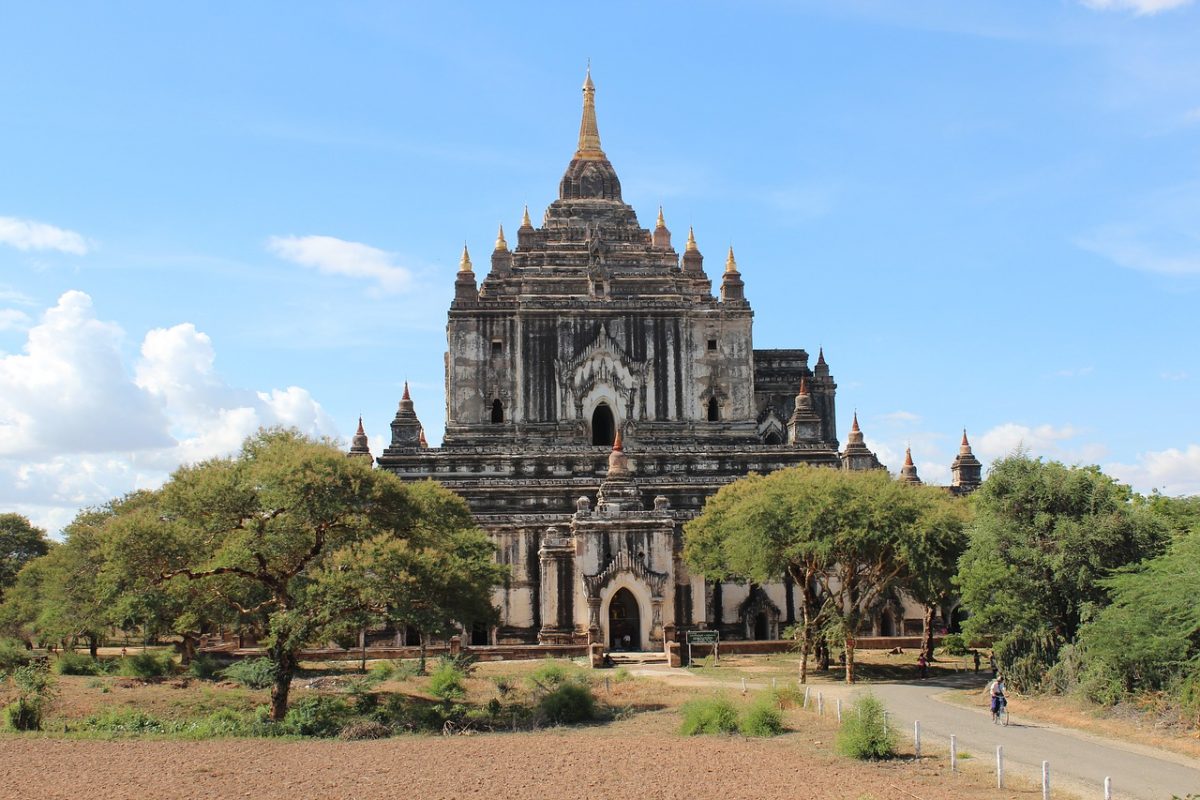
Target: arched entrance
604, 427
887, 624
761, 626
624, 622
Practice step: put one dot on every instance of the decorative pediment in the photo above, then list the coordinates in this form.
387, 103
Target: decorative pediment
602, 363
623, 562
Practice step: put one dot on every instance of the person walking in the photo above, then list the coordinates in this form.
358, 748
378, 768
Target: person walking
977, 661
922, 666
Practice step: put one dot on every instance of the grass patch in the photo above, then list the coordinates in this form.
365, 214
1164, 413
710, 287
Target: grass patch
146, 665
763, 718
568, 704
864, 733
253, 673
69, 663
709, 715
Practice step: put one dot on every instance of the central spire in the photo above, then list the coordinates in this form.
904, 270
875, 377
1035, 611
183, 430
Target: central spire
589, 132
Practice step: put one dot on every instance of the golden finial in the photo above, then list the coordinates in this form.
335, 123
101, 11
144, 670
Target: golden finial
589, 132
525, 223
662, 223
500, 243
730, 264
465, 264
691, 242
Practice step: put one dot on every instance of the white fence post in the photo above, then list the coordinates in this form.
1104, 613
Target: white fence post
743, 685
805, 697
772, 683
1108, 788
886, 727
820, 704
839, 710
953, 753
1045, 780
999, 766
917, 738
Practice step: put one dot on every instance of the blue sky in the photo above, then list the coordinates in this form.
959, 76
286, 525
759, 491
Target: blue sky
987, 213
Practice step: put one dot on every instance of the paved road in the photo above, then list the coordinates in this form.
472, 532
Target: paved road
1079, 762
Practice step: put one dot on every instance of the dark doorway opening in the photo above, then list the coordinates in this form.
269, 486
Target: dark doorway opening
604, 427
624, 622
714, 411
497, 411
412, 636
773, 438
887, 624
761, 627
479, 635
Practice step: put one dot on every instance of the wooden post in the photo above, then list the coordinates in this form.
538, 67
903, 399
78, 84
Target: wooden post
1045, 780
743, 685
953, 753
839, 710
917, 739
805, 704
1107, 788
820, 704
999, 766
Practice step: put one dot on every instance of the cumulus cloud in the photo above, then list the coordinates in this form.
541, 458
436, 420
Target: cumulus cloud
28, 234
333, 256
79, 426
12, 319
1172, 471
1139, 7
1058, 442
902, 416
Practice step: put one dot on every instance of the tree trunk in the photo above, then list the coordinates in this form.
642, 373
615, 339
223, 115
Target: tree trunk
849, 659
421, 663
362, 643
927, 634
187, 649
93, 646
805, 647
285, 668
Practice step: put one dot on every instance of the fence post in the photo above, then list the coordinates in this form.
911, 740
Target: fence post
839, 710
999, 766
607, 687
917, 738
743, 685
886, 727
1045, 780
820, 704
1107, 788
805, 705
953, 753
772, 683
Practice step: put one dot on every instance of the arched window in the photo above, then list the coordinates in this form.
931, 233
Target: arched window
714, 411
497, 411
604, 427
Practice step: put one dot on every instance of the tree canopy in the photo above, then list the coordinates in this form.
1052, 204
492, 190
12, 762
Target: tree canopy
846, 539
20, 543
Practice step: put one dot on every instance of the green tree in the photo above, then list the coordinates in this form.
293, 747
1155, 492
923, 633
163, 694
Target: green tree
1148, 639
1044, 538
257, 529
846, 535
20, 543
931, 553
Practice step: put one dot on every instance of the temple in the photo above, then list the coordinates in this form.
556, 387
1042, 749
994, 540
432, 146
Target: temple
597, 392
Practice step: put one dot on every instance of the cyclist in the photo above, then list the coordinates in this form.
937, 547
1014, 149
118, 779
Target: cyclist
999, 701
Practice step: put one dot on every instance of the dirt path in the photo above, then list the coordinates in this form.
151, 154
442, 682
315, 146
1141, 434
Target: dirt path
1078, 761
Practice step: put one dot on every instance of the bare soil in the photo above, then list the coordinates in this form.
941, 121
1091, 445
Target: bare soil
635, 758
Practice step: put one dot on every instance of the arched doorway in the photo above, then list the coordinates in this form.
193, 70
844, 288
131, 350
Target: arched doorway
604, 427
479, 635
773, 438
714, 410
624, 622
887, 624
761, 627
497, 411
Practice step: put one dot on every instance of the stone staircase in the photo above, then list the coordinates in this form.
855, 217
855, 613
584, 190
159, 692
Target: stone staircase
638, 659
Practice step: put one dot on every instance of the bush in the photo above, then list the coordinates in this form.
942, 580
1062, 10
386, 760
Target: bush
24, 715
504, 684
709, 715
463, 662
762, 718
69, 663
253, 673
122, 720
12, 656
205, 668
146, 665
318, 715
622, 674
787, 697
955, 644
446, 682
365, 729
35, 689
225, 722
568, 704
864, 733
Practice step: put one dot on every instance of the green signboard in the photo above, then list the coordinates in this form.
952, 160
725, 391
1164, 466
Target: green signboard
702, 637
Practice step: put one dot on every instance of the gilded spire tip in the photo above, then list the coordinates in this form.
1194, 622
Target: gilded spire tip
731, 263
525, 223
661, 223
589, 131
464, 265
500, 243
691, 242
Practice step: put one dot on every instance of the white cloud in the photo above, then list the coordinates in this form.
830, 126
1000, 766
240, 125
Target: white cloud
27, 234
1059, 443
79, 427
13, 320
1139, 7
902, 416
1179, 375
333, 256
1172, 471
1128, 249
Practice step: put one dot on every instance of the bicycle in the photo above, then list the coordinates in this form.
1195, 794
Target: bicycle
1000, 714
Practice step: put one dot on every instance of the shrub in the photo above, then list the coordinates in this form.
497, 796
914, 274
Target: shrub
318, 715
224, 722
787, 697
446, 682
35, 689
548, 674
12, 656
364, 729
504, 684
122, 720
955, 644
205, 668
709, 715
146, 665
253, 673
568, 704
621, 675
24, 714
69, 663
463, 662
762, 718
864, 733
